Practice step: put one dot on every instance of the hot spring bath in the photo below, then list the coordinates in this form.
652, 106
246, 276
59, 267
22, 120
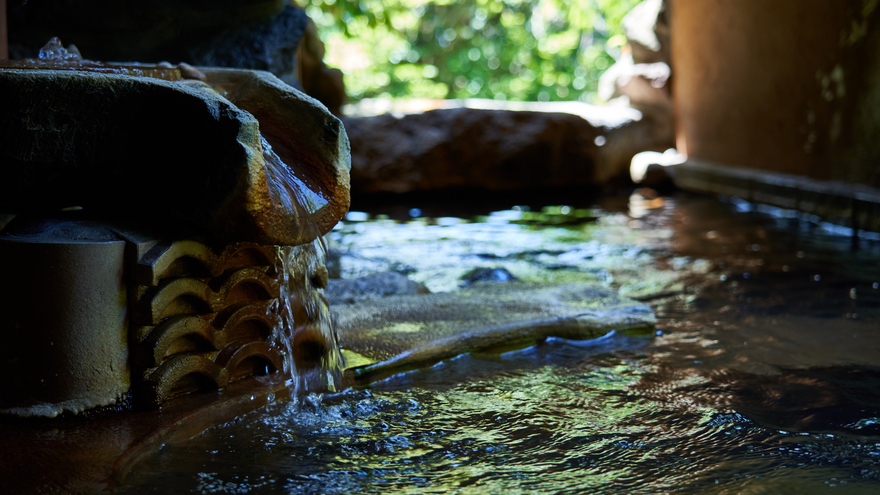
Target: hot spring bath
763, 375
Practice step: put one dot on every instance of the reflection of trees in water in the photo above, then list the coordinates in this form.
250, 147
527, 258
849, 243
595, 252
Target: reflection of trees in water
505, 49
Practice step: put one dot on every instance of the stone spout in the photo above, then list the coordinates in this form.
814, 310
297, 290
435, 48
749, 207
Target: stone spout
174, 153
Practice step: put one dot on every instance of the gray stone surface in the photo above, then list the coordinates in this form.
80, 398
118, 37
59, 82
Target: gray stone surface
371, 287
268, 45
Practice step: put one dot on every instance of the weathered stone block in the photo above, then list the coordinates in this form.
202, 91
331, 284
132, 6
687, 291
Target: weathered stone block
171, 152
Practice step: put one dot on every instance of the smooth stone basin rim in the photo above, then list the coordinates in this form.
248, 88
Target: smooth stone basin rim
174, 152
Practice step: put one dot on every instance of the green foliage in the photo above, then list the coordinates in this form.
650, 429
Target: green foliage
521, 50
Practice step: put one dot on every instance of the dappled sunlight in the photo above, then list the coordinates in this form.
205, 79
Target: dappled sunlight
524, 50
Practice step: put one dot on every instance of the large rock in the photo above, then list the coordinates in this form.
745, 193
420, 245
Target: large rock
550, 145
286, 45
269, 35
470, 147
643, 75
174, 153
323, 83
646, 85
269, 45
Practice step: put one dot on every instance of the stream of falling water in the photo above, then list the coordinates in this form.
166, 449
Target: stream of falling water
301, 305
303, 308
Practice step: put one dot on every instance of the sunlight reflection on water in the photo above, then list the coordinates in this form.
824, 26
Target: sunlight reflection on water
767, 383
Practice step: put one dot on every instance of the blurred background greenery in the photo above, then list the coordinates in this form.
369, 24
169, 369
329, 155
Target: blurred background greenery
522, 50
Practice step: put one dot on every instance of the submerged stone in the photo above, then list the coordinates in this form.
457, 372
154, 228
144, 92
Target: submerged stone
487, 275
405, 332
372, 287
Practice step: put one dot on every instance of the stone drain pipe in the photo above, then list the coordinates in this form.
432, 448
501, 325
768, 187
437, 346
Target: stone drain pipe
159, 281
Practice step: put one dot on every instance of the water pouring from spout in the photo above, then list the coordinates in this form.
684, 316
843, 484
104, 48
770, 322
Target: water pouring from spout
305, 333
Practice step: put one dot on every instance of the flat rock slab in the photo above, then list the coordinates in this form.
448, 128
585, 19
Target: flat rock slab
406, 332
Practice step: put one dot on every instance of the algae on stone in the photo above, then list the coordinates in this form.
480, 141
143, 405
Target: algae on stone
405, 332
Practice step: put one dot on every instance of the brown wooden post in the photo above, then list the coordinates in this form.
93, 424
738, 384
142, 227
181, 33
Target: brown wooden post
4, 47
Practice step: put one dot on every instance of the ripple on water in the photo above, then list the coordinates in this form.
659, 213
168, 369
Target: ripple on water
757, 385
575, 426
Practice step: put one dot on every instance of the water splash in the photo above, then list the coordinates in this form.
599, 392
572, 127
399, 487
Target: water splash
54, 50
306, 335
54, 56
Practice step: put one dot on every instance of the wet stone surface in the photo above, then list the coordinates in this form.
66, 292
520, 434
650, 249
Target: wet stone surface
371, 287
763, 376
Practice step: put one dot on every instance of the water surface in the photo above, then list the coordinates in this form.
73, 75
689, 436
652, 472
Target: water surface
764, 375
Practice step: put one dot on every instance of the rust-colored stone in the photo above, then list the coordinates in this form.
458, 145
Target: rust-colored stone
501, 147
309, 140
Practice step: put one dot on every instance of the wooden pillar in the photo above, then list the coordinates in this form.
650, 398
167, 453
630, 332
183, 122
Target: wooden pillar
785, 86
4, 47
